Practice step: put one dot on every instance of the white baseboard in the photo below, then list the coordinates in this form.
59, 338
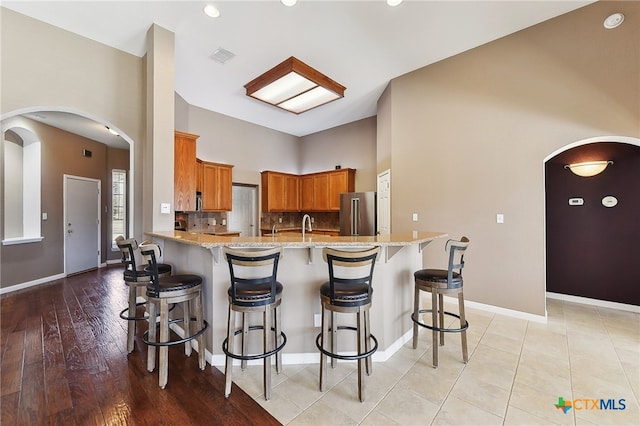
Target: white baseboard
498, 310
594, 302
28, 284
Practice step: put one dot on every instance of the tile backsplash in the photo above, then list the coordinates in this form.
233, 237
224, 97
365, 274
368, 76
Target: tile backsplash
204, 221
321, 220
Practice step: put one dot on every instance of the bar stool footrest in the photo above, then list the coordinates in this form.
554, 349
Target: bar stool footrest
128, 318
145, 336
347, 357
225, 346
446, 330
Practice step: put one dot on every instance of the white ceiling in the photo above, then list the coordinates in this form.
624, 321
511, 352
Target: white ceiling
360, 44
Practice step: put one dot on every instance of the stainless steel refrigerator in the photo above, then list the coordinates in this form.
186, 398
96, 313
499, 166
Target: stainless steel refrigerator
358, 213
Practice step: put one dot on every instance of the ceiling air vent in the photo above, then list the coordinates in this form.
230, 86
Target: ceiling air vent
222, 55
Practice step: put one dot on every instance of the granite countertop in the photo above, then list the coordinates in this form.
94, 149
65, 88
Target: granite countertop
294, 239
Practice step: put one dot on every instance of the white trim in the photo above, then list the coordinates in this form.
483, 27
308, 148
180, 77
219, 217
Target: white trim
504, 311
594, 302
28, 284
21, 240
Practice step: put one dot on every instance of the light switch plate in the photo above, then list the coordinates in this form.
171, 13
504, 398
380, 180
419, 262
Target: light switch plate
499, 218
165, 208
415, 217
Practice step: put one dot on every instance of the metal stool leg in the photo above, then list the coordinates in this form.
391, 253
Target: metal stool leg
266, 362
151, 350
245, 340
434, 319
416, 314
323, 341
131, 324
187, 326
463, 321
228, 368
164, 337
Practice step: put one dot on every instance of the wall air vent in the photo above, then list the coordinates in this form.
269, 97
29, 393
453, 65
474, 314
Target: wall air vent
222, 55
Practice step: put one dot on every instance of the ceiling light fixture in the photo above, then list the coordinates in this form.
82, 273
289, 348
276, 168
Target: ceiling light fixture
211, 11
588, 168
394, 2
613, 21
289, 2
294, 86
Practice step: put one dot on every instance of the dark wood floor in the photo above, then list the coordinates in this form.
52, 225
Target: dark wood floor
64, 361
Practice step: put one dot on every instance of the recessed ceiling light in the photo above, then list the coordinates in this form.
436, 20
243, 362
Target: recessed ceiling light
613, 21
394, 2
211, 11
289, 2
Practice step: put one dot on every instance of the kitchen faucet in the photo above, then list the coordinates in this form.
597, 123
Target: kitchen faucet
305, 218
274, 230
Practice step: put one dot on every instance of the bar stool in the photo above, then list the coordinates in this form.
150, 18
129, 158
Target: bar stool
439, 282
134, 277
161, 292
254, 288
348, 290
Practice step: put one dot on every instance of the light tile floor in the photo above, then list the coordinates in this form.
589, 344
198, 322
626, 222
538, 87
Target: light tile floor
517, 369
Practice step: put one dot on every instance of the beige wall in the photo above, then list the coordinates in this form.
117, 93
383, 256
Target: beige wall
61, 154
249, 147
351, 145
46, 68
470, 135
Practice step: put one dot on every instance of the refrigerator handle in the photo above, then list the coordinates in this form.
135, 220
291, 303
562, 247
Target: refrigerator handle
355, 215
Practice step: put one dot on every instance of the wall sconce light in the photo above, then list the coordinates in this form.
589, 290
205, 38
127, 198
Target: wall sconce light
294, 86
588, 168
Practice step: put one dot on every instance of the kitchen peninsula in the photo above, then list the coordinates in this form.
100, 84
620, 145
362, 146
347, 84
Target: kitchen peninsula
302, 271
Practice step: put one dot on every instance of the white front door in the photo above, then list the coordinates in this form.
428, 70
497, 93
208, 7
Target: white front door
384, 203
81, 224
243, 216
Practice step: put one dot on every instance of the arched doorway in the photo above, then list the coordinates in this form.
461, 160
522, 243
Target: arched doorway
67, 148
592, 222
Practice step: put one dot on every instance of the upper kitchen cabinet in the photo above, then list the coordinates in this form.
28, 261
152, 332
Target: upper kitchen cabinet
343, 180
321, 191
280, 192
184, 174
216, 186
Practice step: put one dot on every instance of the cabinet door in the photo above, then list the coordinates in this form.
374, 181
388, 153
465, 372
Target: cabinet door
216, 187
225, 188
321, 192
306, 193
184, 171
209, 179
199, 177
292, 193
340, 181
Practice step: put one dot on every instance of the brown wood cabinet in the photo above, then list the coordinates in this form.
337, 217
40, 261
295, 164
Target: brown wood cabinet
306, 193
321, 191
184, 171
280, 192
216, 186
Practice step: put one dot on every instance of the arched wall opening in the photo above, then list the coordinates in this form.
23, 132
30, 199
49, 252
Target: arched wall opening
591, 223
63, 152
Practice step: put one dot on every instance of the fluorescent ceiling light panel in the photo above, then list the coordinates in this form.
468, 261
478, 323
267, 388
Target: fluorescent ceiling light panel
294, 86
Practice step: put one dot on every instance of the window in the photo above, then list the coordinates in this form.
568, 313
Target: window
118, 205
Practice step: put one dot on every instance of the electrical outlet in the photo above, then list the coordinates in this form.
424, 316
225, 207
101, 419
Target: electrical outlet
499, 218
415, 217
279, 220
317, 320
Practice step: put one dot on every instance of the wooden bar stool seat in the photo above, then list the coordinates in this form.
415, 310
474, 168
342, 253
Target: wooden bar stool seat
254, 289
440, 282
135, 276
185, 289
349, 290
